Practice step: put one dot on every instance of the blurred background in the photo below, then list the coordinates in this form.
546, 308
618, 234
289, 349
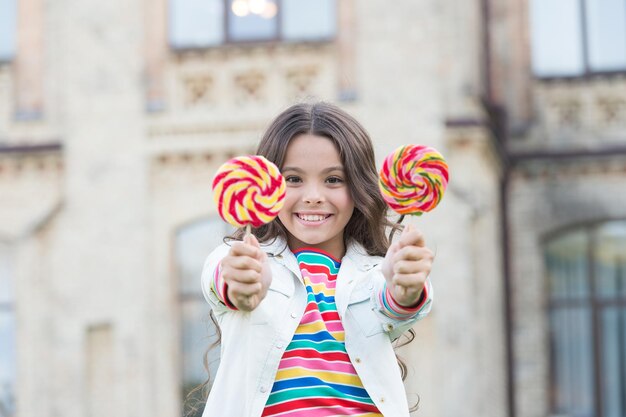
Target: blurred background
115, 114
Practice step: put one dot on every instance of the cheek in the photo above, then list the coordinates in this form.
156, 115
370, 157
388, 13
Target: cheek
290, 199
345, 201
285, 212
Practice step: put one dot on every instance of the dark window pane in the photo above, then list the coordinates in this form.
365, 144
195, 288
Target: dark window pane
556, 38
196, 23
610, 259
309, 19
610, 274
8, 18
606, 28
567, 266
614, 361
252, 20
572, 377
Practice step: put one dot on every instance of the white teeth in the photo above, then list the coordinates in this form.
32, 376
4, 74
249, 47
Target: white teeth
312, 217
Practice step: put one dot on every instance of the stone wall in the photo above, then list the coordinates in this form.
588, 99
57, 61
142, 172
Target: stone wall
544, 198
140, 136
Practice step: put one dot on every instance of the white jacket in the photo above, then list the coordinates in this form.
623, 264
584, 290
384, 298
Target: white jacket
253, 342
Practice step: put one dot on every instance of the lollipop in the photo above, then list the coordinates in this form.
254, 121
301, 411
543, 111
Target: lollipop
413, 179
248, 191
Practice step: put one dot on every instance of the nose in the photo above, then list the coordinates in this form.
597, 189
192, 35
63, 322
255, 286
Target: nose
312, 195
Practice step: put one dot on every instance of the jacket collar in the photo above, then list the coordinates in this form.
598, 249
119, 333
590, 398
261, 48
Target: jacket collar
355, 255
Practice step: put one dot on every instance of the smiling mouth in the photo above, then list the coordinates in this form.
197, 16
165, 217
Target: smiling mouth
313, 217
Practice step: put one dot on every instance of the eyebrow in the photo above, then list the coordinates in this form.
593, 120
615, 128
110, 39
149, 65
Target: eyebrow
329, 169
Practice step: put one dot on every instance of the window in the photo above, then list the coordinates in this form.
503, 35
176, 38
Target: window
587, 313
7, 337
205, 23
577, 37
8, 27
193, 244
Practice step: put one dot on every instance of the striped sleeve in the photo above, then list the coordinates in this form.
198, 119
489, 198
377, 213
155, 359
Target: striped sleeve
220, 288
394, 310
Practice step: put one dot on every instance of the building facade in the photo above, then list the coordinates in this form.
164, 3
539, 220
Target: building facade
115, 115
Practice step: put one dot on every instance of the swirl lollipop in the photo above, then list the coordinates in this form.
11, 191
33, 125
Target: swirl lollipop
248, 191
413, 179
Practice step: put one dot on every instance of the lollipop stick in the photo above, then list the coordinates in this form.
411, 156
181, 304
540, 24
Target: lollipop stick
248, 230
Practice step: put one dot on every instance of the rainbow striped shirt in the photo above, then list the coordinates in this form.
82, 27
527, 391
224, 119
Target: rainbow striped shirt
315, 377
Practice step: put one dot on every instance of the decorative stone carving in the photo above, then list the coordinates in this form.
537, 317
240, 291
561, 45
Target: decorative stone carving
612, 110
300, 81
568, 112
586, 110
44, 166
242, 85
197, 90
250, 86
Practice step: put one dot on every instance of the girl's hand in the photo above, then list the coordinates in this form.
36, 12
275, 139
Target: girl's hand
406, 267
247, 273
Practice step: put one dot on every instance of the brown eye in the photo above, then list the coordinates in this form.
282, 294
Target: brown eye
334, 180
292, 179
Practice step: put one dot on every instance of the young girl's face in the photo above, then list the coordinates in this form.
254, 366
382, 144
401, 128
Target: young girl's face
318, 204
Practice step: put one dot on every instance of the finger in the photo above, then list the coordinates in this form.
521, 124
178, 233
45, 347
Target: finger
410, 291
244, 249
393, 249
412, 267
413, 253
239, 289
414, 282
246, 276
408, 267
254, 242
251, 240
411, 236
244, 263
247, 303
244, 302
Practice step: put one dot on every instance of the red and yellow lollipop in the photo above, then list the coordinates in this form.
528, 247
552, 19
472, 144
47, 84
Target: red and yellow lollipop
413, 179
248, 191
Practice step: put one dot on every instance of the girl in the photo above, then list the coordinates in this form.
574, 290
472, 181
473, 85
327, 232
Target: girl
309, 305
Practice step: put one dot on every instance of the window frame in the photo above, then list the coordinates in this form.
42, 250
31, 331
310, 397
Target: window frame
592, 303
587, 72
229, 41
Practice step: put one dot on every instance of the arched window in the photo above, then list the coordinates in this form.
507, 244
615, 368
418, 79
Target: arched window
193, 243
587, 311
7, 336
